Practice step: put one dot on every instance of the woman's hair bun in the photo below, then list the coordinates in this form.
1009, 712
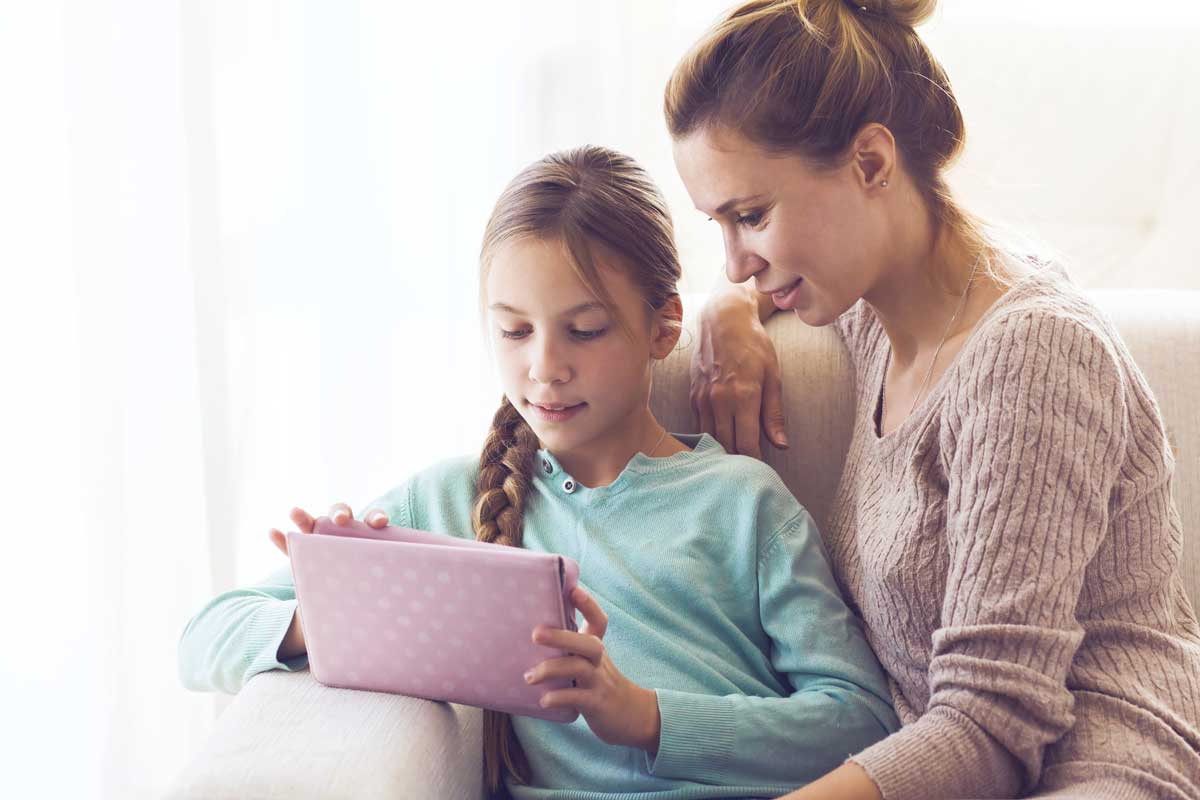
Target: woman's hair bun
905, 12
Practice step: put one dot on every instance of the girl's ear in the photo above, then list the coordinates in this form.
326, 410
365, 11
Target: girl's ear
668, 324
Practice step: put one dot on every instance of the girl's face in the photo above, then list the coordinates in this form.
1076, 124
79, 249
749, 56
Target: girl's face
567, 366
804, 236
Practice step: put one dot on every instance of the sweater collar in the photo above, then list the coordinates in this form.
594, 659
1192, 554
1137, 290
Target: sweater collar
548, 468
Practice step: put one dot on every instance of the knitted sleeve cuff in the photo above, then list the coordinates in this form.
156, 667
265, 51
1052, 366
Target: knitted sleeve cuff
696, 738
942, 754
263, 638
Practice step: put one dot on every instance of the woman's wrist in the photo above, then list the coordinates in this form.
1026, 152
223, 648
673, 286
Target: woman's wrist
766, 306
738, 299
728, 298
732, 308
848, 782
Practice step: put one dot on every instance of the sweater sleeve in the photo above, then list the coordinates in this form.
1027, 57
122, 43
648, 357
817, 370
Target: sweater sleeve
838, 703
1031, 448
237, 634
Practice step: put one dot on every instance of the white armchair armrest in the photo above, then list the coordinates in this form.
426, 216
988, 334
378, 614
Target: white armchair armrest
287, 736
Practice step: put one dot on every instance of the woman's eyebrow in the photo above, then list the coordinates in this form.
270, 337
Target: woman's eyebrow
736, 201
591, 305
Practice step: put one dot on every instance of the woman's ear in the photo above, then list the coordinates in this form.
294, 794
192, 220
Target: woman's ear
668, 324
874, 155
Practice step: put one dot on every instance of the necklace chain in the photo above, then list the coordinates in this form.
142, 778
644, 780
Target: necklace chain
962, 301
656, 444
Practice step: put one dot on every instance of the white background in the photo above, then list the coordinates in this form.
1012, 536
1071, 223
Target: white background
239, 244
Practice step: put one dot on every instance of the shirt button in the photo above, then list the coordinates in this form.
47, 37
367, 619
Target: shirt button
546, 466
568, 486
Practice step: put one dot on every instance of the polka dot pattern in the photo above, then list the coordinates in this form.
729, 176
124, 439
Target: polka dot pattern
421, 614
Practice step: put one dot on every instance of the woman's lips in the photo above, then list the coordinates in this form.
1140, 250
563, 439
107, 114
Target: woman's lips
785, 299
557, 412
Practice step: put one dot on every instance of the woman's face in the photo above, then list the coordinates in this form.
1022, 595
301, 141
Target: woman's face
805, 236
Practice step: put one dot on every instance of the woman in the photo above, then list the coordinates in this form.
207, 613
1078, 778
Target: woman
1004, 524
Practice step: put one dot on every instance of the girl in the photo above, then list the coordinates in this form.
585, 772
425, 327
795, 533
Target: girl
1004, 523
724, 662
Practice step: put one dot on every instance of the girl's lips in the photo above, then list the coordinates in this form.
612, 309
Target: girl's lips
785, 299
559, 414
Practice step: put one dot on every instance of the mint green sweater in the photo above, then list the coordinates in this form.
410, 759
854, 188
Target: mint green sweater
719, 597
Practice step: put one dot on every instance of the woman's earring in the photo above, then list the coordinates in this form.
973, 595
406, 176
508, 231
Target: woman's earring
883, 184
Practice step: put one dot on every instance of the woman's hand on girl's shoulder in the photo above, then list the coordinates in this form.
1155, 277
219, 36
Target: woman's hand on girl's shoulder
736, 391
340, 513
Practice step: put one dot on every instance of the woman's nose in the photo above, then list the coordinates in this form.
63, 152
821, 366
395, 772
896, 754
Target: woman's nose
740, 264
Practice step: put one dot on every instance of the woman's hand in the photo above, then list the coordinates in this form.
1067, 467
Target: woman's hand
847, 782
735, 380
340, 514
617, 710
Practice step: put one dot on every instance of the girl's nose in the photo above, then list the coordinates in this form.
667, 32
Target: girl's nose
548, 365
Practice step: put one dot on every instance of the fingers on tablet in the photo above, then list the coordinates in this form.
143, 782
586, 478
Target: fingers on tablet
597, 620
278, 539
303, 520
340, 513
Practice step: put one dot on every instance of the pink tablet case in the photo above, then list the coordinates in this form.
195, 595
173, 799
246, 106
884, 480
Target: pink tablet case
429, 615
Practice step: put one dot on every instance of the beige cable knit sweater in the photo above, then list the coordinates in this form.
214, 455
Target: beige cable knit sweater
1013, 549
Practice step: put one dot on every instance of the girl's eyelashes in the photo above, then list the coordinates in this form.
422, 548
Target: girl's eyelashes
581, 335
513, 334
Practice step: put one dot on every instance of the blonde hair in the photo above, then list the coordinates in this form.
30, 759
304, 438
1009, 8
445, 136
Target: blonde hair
804, 76
588, 199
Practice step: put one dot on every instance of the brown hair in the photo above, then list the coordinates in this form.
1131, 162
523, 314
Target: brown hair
804, 76
588, 199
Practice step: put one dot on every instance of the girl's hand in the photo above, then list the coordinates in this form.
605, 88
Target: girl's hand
293, 643
735, 379
616, 709
340, 514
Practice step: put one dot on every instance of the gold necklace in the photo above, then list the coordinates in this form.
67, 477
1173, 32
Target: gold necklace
656, 444
962, 301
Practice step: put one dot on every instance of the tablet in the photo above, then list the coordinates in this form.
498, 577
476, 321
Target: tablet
429, 615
